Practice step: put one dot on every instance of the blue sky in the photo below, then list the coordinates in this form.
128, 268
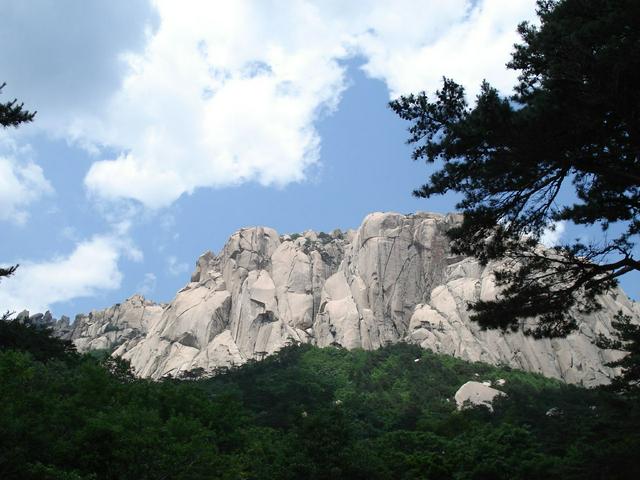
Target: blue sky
163, 127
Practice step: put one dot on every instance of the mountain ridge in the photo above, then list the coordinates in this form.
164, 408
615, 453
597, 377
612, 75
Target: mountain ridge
393, 279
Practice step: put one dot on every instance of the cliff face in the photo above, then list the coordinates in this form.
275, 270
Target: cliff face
394, 279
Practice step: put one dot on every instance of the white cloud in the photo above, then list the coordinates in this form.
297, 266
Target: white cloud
219, 97
467, 48
552, 234
91, 267
21, 184
230, 92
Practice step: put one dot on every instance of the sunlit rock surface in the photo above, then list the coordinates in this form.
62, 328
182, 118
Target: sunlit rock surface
392, 280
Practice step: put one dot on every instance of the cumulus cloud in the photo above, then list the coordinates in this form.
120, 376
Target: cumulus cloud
230, 92
91, 267
464, 42
219, 97
21, 184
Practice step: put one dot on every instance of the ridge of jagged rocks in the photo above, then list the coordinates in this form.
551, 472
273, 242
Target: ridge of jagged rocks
393, 279
59, 326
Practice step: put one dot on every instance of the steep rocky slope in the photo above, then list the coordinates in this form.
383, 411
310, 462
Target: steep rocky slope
394, 279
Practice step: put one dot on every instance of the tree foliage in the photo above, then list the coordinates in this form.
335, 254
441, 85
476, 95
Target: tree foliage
627, 338
36, 339
572, 124
12, 113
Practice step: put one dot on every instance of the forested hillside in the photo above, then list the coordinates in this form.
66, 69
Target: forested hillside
305, 412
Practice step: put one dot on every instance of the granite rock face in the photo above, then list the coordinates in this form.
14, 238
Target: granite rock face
392, 280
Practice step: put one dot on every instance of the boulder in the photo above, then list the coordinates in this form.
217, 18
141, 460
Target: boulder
473, 394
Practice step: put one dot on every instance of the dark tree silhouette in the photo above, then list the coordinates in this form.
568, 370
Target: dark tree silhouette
573, 121
12, 114
627, 337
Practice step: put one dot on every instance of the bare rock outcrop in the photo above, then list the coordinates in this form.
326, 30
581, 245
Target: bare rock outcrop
394, 279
